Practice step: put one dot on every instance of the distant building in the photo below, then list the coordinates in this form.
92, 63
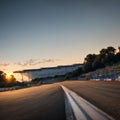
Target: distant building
48, 72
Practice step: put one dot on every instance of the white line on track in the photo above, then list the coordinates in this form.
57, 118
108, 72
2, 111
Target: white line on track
82, 109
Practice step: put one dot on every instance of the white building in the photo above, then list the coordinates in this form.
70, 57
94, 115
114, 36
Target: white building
48, 72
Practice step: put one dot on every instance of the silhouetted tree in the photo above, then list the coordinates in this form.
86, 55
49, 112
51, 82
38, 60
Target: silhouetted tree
111, 50
119, 49
106, 57
117, 56
2, 79
103, 52
4, 82
98, 62
88, 61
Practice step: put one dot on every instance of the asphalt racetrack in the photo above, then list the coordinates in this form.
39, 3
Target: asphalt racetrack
47, 102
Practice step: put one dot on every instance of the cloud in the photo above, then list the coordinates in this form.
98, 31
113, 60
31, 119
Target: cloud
33, 62
4, 64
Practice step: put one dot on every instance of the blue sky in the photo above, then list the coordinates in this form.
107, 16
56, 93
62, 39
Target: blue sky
43, 33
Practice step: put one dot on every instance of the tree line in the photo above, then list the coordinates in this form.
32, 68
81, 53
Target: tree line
7, 82
106, 57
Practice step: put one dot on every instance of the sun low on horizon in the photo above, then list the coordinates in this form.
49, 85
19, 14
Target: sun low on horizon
37, 34
8, 76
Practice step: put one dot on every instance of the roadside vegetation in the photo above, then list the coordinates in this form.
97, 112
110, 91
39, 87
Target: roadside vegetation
107, 57
7, 80
108, 60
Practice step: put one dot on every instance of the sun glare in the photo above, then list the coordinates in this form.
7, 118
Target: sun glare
8, 76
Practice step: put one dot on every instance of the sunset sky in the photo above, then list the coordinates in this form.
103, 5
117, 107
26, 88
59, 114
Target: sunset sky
43, 33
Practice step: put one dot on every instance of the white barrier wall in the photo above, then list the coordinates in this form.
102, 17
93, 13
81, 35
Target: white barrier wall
49, 72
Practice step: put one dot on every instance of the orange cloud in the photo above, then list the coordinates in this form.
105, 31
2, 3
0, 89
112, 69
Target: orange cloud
4, 64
